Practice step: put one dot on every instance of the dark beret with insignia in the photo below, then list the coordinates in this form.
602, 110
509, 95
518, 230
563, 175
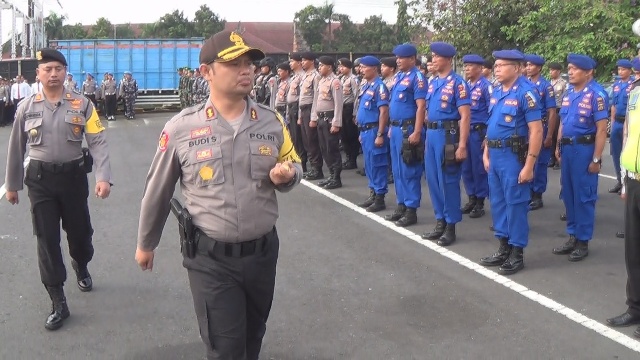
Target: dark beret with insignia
295, 56
327, 60
284, 66
226, 46
555, 66
307, 55
389, 61
47, 55
345, 62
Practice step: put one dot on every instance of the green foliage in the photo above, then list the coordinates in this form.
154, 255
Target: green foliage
103, 29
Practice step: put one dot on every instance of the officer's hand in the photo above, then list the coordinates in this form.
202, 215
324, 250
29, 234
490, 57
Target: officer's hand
334, 129
103, 189
144, 259
623, 195
299, 121
282, 173
548, 142
461, 154
354, 120
526, 175
379, 141
313, 124
485, 161
12, 196
414, 138
594, 168
360, 139
558, 158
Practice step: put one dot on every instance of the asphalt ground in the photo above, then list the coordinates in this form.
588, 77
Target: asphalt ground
349, 284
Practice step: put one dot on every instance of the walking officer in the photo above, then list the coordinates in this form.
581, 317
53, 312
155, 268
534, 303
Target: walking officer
548, 109
53, 123
230, 155
373, 116
474, 175
619, 100
581, 138
510, 157
448, 118
350, 142
406, 115
327, 105
293, 97
308, 87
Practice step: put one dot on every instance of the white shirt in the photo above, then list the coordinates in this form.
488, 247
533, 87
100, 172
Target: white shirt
25, 90
36, 87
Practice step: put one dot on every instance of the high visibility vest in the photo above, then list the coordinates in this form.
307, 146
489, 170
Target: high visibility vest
630, 157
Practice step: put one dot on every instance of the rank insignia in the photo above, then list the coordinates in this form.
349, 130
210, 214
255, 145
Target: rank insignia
164, 140
206, 173
76, 120
38, 97
600, 104
254, 114
265, 150
210, 113
68, 96
75, 103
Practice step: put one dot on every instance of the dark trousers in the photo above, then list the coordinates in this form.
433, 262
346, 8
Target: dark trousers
129, 101
55, 197
555, 137
329, 144
110, 105
232, 297
632, 245
2, 111
350, 133
296, 132
92, 97
310, 138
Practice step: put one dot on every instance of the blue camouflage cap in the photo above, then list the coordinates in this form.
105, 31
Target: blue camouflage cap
624, 63
443, 49
405, 50
534, 59
127, 72
369, 61
513, 55
580, 61
472, 59
636, 64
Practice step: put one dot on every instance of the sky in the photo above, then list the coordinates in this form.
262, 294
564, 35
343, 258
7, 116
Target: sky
141, 11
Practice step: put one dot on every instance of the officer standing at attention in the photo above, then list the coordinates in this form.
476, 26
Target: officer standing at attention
89, 87
581, 138
327, 105
406, 114
350, 142
619, 100
230, 155
279, 92
129, 91
308, 87
388, 73
109, 91
547, 103
474, 175
53, 123
293, 97
509, 159
631, 193
373, 116
559, 88
266, 81
70, 84
448, 119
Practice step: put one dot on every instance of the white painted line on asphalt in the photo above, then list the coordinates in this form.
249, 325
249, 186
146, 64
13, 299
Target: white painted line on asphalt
3, 190
608, 176
549, 303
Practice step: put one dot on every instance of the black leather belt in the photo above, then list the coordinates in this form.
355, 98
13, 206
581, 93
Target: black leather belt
368, 126
478, 127
281, 109
447, 125
110, 94
403, 122
620, 119
237, 250
292, 105
582, 140
58, 168
305, 107
496, 144
89, 93
325, 114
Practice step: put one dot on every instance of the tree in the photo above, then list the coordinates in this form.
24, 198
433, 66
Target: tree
404, 24
103, 29
76, 31
347, 37
206, 22
124, 31
312, 24
172, 25
376, 35
53, 25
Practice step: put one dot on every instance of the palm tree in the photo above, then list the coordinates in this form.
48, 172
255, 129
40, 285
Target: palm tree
53, 25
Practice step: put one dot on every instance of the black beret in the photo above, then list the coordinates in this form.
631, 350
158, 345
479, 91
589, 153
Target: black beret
488, 64
555, 66
284, 66
345, 62
389, 61
308, 55
46, 55
327, 60
226, 46
295, 56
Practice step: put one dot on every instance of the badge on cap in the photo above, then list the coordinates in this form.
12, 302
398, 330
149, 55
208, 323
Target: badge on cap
38, 55
206, 173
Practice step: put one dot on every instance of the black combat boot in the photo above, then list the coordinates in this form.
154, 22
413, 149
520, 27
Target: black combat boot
304, 167
350, 163
370, 200
397, 213
616, 189
408, 218
334, 181
580, 252
346, 161
567, 247
563, 217
469, 205
536, 201
478, 209
324, 182
449, 236
59, 309
500, 256
315, 174
514, 263
378, 204
437, 231
85, 283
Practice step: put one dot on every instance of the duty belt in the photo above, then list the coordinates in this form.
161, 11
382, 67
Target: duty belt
325, 114
237, 250
58, 168
368, 126
281, 109
582, 140
620, 119
446, 125
107, 94
479, 127
90, 93
305, 106
406, 122
496, 144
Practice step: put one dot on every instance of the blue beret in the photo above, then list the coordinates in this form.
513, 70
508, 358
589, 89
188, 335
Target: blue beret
69, 74
581, 61
514, 55
443, 49
127, 72
636, 64
90, 74
472, 59
405, 50
534, 59
624, 63
369, 61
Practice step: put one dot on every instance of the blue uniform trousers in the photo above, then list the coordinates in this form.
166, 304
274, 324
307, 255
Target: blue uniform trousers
579, 189
376, 161
540, 178
473, 174
443, 181
509, 200
406, 177
616, 145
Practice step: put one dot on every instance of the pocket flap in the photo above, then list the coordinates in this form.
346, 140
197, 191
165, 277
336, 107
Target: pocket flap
32, 123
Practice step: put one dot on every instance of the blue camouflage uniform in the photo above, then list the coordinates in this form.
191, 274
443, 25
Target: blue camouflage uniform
619, 99
579, 114
445, 97
474, 176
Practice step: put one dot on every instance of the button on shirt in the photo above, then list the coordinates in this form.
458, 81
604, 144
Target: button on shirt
511, 110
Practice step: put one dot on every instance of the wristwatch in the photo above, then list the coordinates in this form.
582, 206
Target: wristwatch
379, 134
597, 161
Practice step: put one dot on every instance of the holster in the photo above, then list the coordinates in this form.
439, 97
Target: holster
450, 154
87, 160
519, 147
412, 154
188, 232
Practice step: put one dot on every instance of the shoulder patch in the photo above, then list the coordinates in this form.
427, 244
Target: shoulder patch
600, 102
531, 100
163, 141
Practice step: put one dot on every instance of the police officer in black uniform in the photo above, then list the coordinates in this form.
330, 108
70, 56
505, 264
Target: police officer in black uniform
266, 81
